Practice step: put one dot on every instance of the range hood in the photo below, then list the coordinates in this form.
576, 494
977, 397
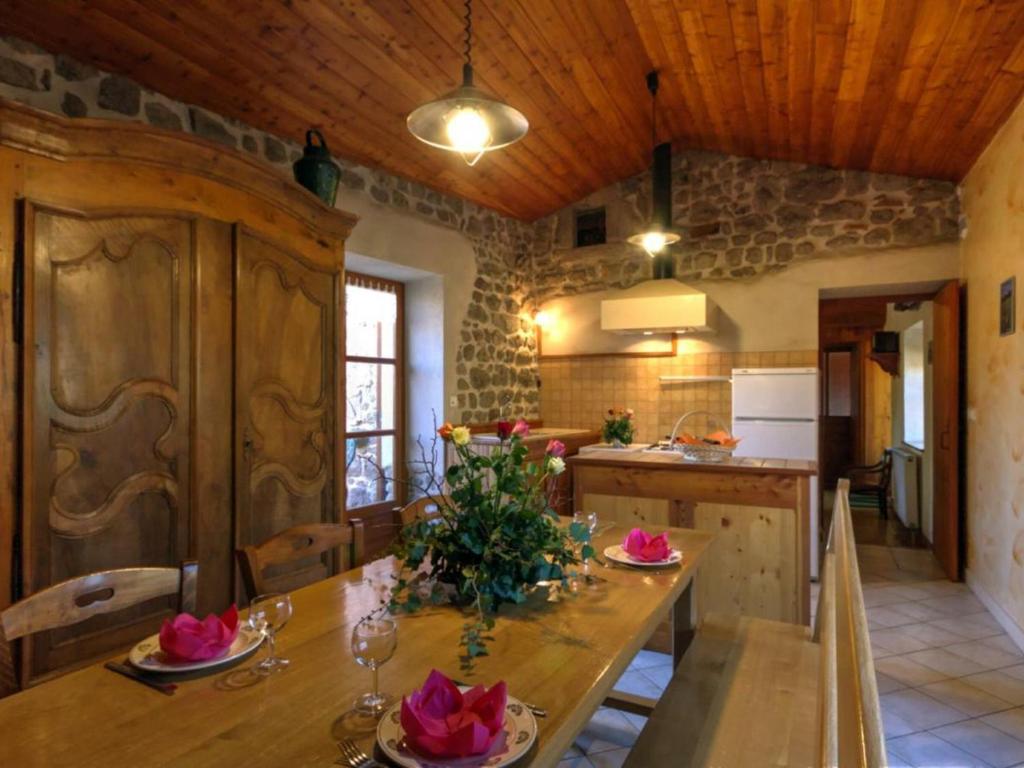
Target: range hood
658, 306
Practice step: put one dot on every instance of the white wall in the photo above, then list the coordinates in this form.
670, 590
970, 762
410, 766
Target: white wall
390, 237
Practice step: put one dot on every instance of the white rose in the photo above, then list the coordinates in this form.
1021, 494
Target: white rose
460, 435
556, 465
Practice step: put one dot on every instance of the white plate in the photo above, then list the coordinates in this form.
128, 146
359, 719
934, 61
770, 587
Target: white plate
619, 555
520, 730
147, 655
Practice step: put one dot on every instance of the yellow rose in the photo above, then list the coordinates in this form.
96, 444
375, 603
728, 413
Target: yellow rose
556, 465
460, 435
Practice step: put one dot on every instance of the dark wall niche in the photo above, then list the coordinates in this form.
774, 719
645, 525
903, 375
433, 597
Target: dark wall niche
590, 227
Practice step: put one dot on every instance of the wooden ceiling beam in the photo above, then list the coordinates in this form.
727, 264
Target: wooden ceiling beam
915, 87
557, 90
1004, 30
859, 53
802, 63
378, 105
549, 153
771, 31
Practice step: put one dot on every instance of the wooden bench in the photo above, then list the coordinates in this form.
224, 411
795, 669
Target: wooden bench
753, 692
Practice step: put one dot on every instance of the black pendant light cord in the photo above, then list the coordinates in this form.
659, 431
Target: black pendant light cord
467, 68
652, 86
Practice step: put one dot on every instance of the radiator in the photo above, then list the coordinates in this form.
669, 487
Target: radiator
906, 486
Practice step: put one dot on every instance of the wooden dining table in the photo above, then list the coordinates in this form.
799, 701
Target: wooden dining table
562, 656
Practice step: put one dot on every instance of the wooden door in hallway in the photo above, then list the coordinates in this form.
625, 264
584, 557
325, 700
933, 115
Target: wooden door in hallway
946, 429
840, 411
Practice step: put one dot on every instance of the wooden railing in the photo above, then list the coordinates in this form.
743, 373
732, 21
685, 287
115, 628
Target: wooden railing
745, 691
850, 718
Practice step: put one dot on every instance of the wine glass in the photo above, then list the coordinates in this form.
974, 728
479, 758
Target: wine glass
588, 519
373, 643
267, 615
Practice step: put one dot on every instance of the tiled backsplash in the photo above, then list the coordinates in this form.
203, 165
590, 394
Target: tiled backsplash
578, 392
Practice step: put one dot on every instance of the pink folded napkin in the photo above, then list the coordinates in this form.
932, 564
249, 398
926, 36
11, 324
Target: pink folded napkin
640, 545
186, 638
442, 722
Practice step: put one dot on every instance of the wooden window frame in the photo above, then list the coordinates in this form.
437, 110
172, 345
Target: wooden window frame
398, 430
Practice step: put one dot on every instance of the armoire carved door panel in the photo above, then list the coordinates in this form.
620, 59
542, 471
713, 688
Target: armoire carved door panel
286, 395
107, 411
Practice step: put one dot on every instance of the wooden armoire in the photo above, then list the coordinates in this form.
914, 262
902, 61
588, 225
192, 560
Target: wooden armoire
170, 363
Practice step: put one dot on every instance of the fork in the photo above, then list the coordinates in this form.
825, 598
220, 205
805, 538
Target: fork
354, 757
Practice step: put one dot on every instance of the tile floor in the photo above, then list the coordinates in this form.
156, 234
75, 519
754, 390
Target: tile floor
951, 682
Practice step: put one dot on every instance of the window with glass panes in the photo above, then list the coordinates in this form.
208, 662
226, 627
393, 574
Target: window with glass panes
374, 395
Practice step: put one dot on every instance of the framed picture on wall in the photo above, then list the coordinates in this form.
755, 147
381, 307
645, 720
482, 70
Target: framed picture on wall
1007, 306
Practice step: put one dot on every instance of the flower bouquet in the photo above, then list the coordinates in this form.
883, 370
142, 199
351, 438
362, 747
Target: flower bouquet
495, 535
618, 427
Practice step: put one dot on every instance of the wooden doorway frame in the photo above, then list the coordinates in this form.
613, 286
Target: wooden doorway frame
948, 409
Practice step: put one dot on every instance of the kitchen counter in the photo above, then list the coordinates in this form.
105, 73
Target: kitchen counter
758, 509
540, 434
667, 460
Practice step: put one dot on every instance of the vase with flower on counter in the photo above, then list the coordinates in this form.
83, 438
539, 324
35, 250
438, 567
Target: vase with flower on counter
618, 429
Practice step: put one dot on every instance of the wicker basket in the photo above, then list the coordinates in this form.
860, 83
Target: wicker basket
706, 452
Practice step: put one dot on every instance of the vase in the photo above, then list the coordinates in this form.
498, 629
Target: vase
316, 171
616, 443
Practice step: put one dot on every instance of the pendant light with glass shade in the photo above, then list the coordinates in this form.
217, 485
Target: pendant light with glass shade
468, 120
659, 234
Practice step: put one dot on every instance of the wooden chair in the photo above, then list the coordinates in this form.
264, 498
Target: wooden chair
83, 597
874, 479
425, 508
261, 563
752, 692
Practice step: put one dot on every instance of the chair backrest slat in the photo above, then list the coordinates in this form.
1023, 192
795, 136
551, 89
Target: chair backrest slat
81, 598
295, 544
426, 508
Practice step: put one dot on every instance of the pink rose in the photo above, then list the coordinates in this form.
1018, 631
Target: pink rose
640, 545
521, 429
442, 722
555, 448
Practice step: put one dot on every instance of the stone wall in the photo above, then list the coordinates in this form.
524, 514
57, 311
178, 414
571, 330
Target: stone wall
495, 333
741, 217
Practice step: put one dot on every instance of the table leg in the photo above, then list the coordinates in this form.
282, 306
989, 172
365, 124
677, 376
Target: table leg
683, 626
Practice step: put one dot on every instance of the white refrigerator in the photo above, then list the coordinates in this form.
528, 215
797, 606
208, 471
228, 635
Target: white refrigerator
775, 412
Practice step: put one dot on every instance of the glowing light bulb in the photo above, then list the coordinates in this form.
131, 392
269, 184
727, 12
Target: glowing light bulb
468, 133
543, 319
654, 242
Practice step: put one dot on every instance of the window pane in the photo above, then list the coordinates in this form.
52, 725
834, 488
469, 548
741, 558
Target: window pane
369, 396
913, 385
370, 470
370, 317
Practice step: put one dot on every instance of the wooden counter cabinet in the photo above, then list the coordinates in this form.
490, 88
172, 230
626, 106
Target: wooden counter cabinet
758, 509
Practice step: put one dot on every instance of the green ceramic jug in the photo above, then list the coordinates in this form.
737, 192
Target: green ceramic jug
316, 171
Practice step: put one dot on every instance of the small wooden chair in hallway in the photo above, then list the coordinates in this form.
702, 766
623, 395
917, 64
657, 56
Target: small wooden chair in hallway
873, 479
426, 508
262, 564
83, 597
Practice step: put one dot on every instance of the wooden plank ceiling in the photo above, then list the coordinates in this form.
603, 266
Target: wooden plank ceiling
915, 87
